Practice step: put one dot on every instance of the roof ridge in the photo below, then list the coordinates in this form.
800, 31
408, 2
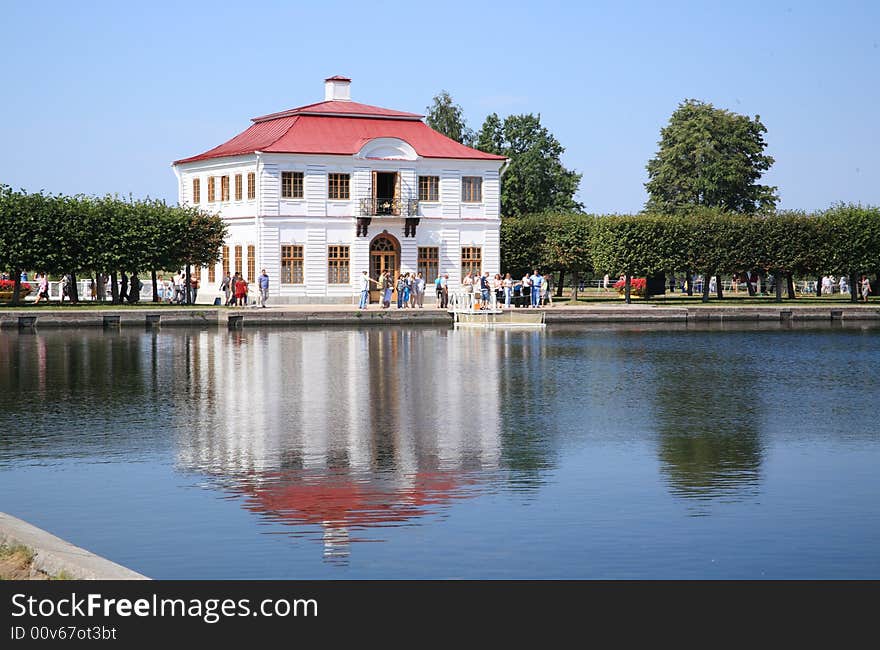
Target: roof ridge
387, 113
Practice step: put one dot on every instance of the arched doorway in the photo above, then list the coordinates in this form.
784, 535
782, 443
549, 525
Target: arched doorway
384, 256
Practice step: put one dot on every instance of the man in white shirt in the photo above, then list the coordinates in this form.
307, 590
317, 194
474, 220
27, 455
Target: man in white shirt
365, 290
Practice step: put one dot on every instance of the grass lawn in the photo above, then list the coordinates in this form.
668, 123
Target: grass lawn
592, 297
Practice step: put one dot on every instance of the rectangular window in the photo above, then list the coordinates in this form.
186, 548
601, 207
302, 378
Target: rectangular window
252, 186
338, 186
225, 261
197, 190
471, 260
211, 196
429, 263
196, 272
252, 264
238, 260
292, 265
337, 265
472, 189
212, 273
224, 188
291, 185
429, 188
238, 187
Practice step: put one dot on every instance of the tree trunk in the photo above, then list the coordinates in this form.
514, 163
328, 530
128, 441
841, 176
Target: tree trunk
155, 286
574, 287
778, 284
627, 286
74, 292
16, 290
114, 288
818, 287
789, 282
559, 286
99, 286
186, 286
123, 292
855, 289
719, 290
749, 286
706, 277
134, 292
688, 282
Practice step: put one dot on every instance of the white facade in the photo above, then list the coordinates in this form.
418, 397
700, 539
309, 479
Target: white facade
262, 225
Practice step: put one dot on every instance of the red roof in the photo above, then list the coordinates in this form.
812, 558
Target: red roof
339, 128
346, 500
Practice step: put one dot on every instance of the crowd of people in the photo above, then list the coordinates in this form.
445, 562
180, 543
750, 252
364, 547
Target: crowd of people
533, 290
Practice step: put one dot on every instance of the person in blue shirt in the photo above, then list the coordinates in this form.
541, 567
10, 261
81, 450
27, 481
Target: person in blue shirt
537, 281
484, 288
263, 283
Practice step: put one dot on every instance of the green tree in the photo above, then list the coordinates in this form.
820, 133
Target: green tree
710, 157
536, 180
24, 236
567, 247
447, 117
631, 245
852, 235
522, 243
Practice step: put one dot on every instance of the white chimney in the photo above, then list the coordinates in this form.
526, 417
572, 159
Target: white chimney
337, 89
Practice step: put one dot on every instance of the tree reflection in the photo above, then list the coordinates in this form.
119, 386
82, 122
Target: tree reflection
708, 420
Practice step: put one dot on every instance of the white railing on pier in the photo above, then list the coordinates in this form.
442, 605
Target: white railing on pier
471, 301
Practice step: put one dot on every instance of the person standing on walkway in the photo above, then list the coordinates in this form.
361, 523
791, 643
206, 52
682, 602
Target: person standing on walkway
241, 292
387, 288
365, 290
194, 284
263, 283
866, 288
419, 291
227, 288
606, 282
508, 289
537, 281
444, 291
843, 287
484, 290
437, 290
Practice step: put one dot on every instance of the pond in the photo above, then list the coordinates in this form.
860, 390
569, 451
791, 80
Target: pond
419, 452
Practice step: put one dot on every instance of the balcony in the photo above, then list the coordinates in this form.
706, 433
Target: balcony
389, 207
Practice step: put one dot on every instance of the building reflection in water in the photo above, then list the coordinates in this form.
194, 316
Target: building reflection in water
347, 430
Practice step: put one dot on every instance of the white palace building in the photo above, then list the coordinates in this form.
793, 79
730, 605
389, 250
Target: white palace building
320, 193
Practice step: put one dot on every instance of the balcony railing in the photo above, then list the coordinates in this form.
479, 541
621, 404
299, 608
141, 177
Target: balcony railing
389, 207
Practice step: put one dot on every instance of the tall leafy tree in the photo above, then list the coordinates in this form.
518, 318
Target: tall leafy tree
710, 157
536, 180
447, 117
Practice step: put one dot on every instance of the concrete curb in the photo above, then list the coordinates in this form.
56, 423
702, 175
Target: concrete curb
52, 555
314, 315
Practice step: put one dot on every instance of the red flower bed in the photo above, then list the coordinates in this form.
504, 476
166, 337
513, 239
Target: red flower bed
9, 285
636, 286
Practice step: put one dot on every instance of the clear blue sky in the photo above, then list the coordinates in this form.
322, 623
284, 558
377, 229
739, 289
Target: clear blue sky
101, 97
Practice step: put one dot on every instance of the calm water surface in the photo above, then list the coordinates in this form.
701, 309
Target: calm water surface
407, 453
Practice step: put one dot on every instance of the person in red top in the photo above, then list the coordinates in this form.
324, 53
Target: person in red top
241, 291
